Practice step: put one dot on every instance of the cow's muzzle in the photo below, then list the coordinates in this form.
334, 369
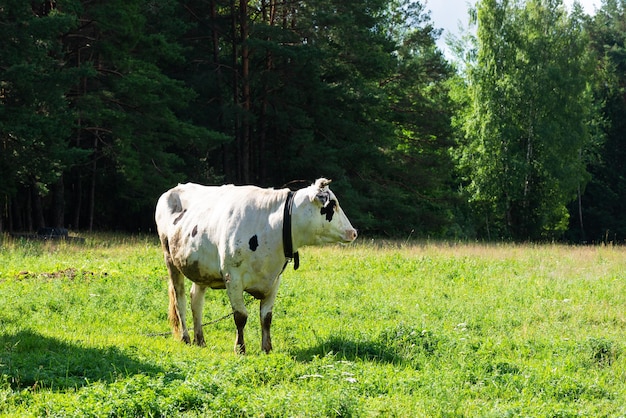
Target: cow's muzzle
350, 235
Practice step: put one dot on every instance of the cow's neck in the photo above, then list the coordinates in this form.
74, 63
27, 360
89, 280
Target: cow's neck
304, 231
290, 252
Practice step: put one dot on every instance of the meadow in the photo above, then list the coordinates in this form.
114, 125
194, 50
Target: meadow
372, 329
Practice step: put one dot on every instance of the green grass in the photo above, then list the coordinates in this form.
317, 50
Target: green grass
371, 329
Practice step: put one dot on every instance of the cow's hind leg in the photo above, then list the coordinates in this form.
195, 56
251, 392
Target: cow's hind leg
240, 313
197, 303
178, 302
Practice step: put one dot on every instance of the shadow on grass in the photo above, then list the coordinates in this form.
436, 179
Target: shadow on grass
401, 344
29, 359
349, 349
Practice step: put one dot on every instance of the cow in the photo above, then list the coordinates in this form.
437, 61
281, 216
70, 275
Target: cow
240, 238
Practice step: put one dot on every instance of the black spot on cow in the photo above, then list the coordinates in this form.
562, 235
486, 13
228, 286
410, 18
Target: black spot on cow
179, 217
254, 243
195, 231
329, 210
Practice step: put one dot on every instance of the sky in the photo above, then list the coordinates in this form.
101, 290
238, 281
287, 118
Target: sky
447, 14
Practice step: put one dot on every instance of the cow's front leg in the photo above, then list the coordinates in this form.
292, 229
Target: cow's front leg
267, 305
266, 323
235, 294
240, 322
197, 303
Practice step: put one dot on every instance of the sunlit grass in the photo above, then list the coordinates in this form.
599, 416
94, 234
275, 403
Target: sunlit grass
370, 329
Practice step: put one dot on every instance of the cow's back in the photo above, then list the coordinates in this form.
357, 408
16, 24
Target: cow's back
185, 203
204, 227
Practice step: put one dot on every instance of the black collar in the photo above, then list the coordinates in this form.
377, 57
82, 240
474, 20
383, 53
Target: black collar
287, 237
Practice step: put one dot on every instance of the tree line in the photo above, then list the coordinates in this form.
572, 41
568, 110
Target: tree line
106, 104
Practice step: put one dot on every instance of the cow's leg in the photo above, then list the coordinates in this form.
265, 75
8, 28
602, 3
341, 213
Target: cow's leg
266, 317
241, 317
178, 302
197, 303
240, 313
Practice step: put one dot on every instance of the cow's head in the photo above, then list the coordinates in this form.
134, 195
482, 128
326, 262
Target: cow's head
325, 217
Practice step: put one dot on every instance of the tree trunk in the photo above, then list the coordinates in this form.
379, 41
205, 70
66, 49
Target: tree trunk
237, 121
57, 211
16, 219
3, 211
583, 236
269, 15
245, 89
78, 185
92, 191
78, 200
37, 218
215, 38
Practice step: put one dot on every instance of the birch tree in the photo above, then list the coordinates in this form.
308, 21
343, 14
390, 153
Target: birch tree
530, 105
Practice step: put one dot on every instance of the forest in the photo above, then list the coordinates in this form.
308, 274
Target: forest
105, 104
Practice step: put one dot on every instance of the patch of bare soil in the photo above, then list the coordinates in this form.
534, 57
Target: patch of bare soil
69, 273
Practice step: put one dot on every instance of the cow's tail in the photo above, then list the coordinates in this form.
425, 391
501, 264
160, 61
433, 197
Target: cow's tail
173, 314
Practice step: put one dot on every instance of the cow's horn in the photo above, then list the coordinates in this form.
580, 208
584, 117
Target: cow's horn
324, 182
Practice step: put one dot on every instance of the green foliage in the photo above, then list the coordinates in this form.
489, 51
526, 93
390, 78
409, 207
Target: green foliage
523, 146
390, 330
255, 92
106, 104
420, 173
35, 116
131, 110
602, 202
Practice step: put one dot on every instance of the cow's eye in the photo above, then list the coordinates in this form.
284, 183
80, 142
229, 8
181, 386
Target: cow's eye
323, 198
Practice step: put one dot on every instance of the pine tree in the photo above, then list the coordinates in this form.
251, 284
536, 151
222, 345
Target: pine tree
35, 117
130, 110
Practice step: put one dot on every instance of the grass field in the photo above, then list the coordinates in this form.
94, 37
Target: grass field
371, 329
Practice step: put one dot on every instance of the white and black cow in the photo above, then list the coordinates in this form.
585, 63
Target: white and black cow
240, 238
